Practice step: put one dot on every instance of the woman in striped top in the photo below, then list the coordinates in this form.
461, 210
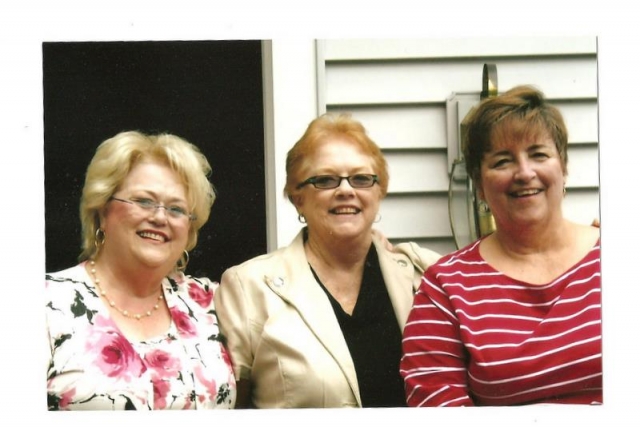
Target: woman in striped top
515, 317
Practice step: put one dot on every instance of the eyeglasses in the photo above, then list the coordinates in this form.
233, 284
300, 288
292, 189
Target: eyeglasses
324, 182
173, 211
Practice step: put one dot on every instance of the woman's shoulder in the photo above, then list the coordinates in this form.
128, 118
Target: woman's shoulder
179, 281
591, 232
469, 254
265, 259
69, 289
67, 278
71, 272
200, 290
419, 256
284, 257
587, 237
588, 243
471, 250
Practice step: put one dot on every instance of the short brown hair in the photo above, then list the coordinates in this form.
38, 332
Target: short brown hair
522, 112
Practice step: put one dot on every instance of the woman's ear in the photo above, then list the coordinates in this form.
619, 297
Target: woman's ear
296, 200
101, 214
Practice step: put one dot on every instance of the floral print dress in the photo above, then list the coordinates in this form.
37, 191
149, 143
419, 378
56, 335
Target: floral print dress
94, 367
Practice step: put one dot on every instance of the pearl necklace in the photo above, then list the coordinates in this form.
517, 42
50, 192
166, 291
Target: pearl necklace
112, 303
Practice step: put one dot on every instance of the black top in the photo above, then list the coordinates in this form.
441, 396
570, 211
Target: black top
374, 338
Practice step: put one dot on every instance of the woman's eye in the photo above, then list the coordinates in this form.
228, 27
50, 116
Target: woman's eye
144, 202
177, 210
500, 163
324, 180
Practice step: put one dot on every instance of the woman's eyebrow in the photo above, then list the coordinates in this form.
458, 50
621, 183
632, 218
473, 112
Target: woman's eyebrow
156, 196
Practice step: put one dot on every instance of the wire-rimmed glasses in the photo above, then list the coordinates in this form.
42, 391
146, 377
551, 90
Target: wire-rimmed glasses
150, 205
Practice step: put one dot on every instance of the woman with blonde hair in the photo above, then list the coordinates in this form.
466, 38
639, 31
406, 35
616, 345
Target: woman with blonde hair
127, 328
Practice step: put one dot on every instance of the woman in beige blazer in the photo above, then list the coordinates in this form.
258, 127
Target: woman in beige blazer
318, 324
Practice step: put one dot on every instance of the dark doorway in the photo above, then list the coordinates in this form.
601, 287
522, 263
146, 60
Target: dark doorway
208, 92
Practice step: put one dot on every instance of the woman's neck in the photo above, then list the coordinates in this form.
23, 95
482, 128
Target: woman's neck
339, 265
543, 237
139, 282
338, 253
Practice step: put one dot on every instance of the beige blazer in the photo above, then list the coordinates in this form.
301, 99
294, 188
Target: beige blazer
283, 335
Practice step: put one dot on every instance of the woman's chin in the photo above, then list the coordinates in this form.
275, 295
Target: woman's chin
157, 261
350, 229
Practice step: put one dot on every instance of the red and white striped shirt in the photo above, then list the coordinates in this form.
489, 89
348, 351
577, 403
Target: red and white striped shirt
478, 337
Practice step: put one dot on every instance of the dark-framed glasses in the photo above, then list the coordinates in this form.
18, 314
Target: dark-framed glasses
174, 211
323, 182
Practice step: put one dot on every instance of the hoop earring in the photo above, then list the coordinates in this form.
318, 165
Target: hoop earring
564, 190
100, 237
302, 219
378, 218
181, 265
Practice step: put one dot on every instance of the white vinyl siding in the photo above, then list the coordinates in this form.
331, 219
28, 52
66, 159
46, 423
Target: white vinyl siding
398, 90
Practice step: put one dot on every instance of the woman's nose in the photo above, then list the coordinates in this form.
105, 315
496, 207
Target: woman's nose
524, 171
344, 187
160, 213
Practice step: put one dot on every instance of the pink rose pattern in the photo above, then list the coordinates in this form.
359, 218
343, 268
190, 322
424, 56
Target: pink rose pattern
200, 295
162, 362
165, 368
161, 389
114, 354
210, 385
183, 322
178, 372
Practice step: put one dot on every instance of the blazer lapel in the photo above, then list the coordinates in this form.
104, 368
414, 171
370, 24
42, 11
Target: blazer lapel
293, 281
399, 277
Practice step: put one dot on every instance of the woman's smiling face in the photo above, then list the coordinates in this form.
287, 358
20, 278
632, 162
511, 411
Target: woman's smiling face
522, 181
343, 211
150, 238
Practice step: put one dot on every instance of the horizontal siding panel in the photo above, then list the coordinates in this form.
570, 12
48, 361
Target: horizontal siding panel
581, 206
391, 49
558, 79
581, 119
417, 171
402, 127
411, 82
414, 216
583, 167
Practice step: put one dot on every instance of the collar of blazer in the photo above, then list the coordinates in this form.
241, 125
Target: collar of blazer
292, 280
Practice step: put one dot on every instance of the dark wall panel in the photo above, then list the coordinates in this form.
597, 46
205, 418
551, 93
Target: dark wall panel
208, 92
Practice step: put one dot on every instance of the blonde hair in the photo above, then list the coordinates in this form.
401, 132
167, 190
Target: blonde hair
115, 158
317, 133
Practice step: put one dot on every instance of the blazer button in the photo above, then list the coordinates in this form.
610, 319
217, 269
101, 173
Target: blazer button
402, 263
278, 281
